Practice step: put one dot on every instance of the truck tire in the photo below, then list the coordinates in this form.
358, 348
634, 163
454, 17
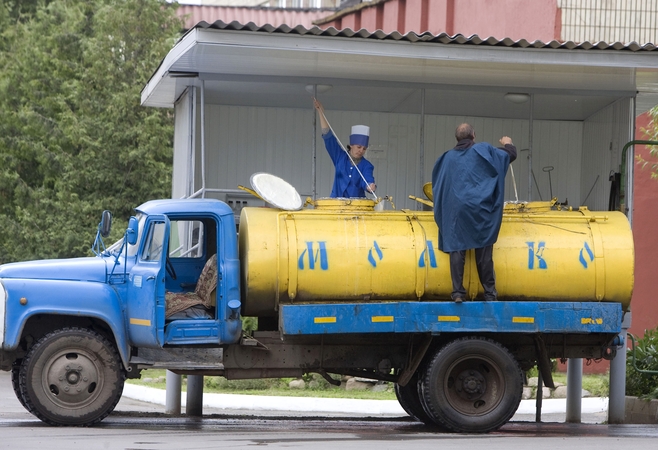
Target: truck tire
410, 400
73, 377
472, 385
15, 382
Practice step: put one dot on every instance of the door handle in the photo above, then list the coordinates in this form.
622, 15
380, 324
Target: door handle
150, 278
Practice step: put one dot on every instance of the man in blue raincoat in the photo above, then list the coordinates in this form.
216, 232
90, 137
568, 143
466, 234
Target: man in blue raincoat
468, 184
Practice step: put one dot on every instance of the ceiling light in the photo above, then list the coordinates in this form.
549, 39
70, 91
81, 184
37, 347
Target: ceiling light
517, 97
321, 88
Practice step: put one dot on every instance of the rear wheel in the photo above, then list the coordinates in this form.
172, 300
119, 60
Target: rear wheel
71, 376
410, 400
472, 385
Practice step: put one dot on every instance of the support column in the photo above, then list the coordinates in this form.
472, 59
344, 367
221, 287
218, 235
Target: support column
617, 399
574, 390
173, 391
194, 406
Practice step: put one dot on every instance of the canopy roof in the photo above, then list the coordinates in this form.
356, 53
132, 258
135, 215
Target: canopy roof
267, 66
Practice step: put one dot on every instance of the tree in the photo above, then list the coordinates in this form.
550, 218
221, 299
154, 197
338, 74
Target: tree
74, 139
651, 134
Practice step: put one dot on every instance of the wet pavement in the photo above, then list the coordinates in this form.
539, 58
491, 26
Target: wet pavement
140, 425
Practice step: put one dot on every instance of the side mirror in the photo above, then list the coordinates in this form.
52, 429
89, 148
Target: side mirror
106, 223
131, 231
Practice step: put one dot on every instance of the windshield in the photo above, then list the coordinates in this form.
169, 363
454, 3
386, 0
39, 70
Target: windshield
132, 249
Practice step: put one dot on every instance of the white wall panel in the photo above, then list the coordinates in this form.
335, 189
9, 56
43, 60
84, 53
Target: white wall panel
243, 140
605, 134
182, 171
554, 143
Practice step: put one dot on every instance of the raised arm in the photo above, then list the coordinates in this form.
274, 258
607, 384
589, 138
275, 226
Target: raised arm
323, 120
508, 147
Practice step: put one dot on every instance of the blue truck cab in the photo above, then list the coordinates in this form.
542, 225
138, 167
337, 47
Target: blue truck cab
117, 300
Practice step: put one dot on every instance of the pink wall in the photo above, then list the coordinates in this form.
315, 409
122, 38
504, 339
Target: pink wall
519, 19
645, 233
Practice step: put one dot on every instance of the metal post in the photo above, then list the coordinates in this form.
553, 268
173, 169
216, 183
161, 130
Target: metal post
617, 399
574, 389
315, 146
530, 138
203, 139
421, 164
539, 396
194, 406
173, 390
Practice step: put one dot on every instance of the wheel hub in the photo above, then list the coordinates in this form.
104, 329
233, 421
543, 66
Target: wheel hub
72, 378
471, 383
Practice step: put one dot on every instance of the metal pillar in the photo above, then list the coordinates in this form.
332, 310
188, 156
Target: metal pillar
539, 396
421, 150
530, 146
194, 406
574, 390
173, 390
617, 399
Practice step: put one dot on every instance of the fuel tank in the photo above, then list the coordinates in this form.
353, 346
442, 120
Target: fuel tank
342, 250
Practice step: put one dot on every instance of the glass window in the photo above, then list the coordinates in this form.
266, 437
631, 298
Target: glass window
186, 239
155, 240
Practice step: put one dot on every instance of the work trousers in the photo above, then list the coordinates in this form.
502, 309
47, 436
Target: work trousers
485, 267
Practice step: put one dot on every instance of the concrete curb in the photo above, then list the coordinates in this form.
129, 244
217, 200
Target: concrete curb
256, 403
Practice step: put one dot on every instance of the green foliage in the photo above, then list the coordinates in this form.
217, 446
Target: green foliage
74, 139
643, 385
651, 134
249, 325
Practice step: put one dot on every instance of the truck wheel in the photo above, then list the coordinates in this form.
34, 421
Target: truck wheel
472, 385
71, 376
410, 400
15, 383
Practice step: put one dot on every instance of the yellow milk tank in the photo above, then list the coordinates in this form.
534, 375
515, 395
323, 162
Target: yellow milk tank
344, 250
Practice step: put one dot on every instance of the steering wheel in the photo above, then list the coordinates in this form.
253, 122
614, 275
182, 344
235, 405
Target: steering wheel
170, 268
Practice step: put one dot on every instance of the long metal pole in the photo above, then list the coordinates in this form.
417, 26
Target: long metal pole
194, 405
574, 390
315, 146
530, 137
617, 399
421, 163
172, 393
203, 139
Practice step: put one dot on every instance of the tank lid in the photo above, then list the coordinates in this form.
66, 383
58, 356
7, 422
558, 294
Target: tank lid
276, 191
345, 204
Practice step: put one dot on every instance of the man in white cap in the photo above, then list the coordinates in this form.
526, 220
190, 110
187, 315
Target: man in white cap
354, 174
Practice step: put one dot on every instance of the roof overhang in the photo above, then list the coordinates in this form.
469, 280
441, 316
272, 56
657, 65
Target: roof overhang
374, 72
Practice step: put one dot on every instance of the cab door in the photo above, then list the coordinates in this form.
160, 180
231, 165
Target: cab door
146, 285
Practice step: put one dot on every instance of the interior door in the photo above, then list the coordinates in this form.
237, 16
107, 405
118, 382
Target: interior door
146, 285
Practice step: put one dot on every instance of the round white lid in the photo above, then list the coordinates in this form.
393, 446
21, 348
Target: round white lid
276, 191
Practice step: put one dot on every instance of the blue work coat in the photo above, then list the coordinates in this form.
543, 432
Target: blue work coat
468, 185
347, 181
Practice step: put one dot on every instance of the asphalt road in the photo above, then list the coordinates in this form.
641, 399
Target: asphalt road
137, 425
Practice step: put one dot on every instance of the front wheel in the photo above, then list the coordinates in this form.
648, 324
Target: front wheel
472, 385
71, 376
15, 383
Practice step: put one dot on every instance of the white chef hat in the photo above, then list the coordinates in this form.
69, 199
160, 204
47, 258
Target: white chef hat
360, 135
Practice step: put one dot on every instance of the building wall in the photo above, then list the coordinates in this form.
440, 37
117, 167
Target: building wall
606, 133
517, 19
609, 20
243, 140
645, 233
